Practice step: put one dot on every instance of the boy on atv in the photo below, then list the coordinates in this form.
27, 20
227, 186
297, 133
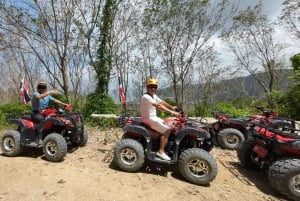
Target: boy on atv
41, 99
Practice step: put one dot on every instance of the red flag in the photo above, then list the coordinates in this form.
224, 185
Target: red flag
121, 89
24, 92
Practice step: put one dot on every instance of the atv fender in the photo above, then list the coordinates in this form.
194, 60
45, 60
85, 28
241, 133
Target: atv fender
137, 130
55, 121
183, 132
43, 123
19, 122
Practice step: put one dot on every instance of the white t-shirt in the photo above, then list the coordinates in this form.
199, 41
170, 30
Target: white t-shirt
148, 113
147, 109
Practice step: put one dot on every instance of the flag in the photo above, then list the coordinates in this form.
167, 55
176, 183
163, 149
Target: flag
24, 92
121, 88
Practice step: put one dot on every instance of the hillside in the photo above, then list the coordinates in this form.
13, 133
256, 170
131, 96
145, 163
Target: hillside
237, 87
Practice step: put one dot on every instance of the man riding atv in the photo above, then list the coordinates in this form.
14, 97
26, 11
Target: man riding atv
149, 103
174, 141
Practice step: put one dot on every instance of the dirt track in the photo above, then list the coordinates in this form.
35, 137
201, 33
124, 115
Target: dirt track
88, 173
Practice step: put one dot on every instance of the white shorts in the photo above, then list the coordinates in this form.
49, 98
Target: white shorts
157, 124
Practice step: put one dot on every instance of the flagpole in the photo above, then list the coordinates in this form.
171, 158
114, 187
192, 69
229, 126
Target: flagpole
121, 89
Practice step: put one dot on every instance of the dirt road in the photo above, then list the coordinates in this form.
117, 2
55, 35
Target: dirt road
88, 173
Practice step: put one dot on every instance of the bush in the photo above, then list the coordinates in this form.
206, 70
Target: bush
99, 104
240, 107
12, 110
203, 110
102, 123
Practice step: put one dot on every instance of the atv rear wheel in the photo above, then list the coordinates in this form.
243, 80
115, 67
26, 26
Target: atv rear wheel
284, 176
197, 166
129, 155
246, 156
11, 143
55, 147
230, 138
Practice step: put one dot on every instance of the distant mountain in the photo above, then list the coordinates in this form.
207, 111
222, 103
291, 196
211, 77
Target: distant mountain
238, 87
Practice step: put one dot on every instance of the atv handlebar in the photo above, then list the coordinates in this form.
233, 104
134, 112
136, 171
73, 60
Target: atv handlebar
183, 116
68, 107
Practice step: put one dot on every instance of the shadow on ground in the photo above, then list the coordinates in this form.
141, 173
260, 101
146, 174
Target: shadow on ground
251, 177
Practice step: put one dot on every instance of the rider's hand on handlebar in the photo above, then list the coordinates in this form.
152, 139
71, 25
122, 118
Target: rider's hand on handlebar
176, 114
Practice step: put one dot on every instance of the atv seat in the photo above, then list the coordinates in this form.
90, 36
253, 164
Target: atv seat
236, 121
27, 117
138, 121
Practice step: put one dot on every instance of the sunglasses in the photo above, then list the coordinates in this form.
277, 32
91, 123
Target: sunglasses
42, 87
152, 86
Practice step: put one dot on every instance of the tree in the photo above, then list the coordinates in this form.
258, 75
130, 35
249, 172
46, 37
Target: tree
178, 32
292, 97
290, 17
103, 66
250, 39
49, 32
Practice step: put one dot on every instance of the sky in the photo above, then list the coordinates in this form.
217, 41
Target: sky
271, 8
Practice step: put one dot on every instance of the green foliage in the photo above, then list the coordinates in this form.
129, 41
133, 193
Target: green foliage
102, 123
239, 107
11, 110
230, 108
295, 61
104, 53
203, 110
99, 104
291, 100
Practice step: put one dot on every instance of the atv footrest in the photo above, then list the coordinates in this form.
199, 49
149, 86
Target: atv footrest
31, 144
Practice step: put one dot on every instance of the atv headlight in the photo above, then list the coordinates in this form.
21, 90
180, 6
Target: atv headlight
68, 122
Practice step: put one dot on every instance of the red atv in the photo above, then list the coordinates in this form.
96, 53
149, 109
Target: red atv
53, 134
231, 131
188, 146
278, 152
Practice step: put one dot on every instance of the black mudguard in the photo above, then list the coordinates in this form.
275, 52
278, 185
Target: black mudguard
19, 122
137, 129
185, 131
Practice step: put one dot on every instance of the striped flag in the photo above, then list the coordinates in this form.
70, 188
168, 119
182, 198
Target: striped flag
24, 92
121, 88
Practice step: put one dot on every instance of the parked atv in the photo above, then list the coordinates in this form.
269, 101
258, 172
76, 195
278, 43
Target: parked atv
231, 131
277, 152
188, 146
53, 134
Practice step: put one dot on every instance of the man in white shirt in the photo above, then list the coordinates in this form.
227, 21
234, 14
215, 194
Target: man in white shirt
149, 103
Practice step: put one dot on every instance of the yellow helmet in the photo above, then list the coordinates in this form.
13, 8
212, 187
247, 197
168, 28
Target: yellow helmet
152, 81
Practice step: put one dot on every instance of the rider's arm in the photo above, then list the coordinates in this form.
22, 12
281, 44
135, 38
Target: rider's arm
161, 106
59, 102
51, 92
173, 108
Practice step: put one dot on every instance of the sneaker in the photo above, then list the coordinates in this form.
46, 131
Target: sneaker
163, 156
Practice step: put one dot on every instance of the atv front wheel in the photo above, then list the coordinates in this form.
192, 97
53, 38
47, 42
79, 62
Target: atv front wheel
83, 139
55, 147
281, 125
284, 176
11, 143
248, 157
129, 155
230, 138
197, 166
